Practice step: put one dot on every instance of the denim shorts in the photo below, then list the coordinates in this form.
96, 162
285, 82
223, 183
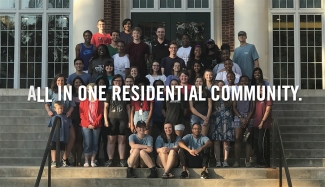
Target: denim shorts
196, 119
143, 117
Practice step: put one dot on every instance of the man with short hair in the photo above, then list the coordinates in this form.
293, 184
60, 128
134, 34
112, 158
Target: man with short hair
112, 48
85, 50
121, 60
160, 46
141, 147
184, 51
246, 55
138, 52
194, 152
101, 37
78, 65
167, 63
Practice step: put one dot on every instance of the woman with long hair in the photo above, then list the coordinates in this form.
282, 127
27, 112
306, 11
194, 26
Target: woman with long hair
195, 71
208, 79
175, 73
155, 73
167, 147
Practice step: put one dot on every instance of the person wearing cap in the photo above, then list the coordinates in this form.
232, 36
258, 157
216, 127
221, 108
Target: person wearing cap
160, 46
212, 53
141, 147
246, 55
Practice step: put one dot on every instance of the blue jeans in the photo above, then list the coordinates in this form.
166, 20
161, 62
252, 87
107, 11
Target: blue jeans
91, 137
196, 119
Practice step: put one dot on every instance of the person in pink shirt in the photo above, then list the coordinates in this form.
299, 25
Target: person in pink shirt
101, 37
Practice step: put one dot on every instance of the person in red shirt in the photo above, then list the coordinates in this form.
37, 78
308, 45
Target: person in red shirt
261, 129
91, 113
101, 37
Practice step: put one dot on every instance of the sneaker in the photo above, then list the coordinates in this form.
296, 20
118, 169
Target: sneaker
184, 175
248, 164
64, 163
225, 164
53, 164
108, 163
93, 164
86, 164
129, 173
153, 173
204, 175
236, 165
218, 165
122, 163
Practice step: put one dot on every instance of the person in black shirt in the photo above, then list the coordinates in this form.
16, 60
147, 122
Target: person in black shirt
167, 63
160, 46
213, 56
197, 56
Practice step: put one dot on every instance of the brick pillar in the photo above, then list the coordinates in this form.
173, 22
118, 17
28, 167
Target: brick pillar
228, 23
112, 14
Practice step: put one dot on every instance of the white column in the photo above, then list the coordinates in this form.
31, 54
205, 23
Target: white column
252, 17
85, 16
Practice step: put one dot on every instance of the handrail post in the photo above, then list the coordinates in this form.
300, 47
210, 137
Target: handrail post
280, 166
49, 170
273, 142
58, 152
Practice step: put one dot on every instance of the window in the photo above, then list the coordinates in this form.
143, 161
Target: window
59, 3
143, 3
283, 50
7, 4
7, 44
311, 51
31, 4
58, 46
30, 50
170, 3
310, 3
282, 3
198, 3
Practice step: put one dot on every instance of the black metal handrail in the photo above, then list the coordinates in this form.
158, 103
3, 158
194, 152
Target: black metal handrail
276, 133
47, 153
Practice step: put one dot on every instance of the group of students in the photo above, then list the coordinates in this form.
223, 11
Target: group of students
167, 133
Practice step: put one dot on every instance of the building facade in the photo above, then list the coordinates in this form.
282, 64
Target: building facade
38, 37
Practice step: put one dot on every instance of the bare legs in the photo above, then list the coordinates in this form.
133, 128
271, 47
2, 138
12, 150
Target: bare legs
167, 161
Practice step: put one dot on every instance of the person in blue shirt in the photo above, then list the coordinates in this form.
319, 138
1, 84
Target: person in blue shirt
64, 132
141, 148
194, 152
167, 148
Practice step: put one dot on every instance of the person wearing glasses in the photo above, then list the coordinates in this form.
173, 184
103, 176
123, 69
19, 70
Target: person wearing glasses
167, 63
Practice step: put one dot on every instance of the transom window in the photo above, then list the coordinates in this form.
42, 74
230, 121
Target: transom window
171, 4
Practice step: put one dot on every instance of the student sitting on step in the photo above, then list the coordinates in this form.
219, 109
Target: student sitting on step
64, 132
141, 147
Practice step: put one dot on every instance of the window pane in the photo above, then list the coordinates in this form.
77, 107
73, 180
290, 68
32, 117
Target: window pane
143, 3
289, 3
7, 4
275, 3
197, 4
150, 3
59, 3
31, 4
282, 3
303, 3
178, 3
317, 4
205, 3
310, 3
136, 3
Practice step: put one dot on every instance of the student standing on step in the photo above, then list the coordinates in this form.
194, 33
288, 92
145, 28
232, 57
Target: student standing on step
112, 48
194, 152
96, 65
261, 129
225, 55
155, 73
167, 148
222, 75
160, 46
167, 63
91, 114
184, 51
68, 106
126, 34
101, 37
138, 52
116, 118
121, 60
141, 148
176, 71
78, 65
64, 133
85, 50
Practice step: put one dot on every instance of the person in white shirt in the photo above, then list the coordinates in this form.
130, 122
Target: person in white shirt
225, 54
222, 75
184, 51
155, 73
121, 60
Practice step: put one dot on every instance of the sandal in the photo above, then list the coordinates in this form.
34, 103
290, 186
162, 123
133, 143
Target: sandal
260, 166
165, 176
170, 175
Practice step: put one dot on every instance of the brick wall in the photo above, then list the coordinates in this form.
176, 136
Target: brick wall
228, 23
112, 14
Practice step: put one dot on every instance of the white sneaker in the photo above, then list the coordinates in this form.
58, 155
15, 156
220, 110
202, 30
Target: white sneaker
93, 164
225, 164
86, 164
218, 165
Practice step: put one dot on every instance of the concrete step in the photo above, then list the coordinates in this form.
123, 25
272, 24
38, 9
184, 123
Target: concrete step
23, 112
298, 106
304, 144
303, 136
300, 113
28, 144
304, 153
14, 99
305, 99
25, 136
68, 182
299, 120
302, 128
21, 105
305, 162
24, 128
24, 120
22, 153
21, 161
